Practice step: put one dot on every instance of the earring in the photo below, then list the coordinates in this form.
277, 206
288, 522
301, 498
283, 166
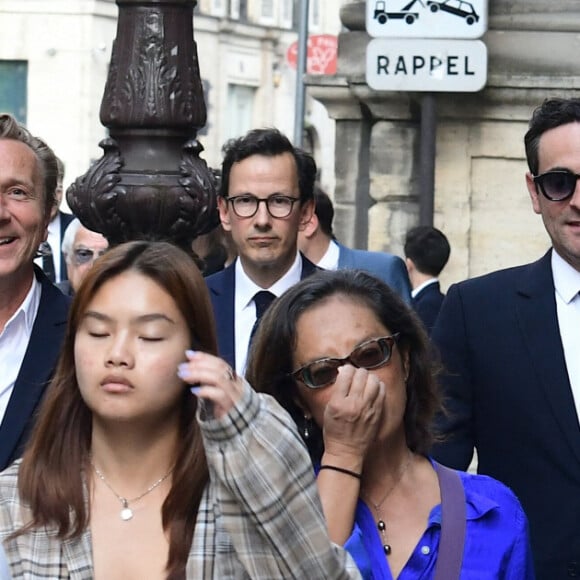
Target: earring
307, 427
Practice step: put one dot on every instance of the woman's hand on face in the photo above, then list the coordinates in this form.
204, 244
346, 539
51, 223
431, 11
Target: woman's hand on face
213, 380
353, 413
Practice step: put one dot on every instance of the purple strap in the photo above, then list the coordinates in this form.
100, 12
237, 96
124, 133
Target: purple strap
450, 556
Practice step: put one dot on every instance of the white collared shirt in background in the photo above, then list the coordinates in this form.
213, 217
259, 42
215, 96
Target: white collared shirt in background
330, 259
245, 308
14, 341
567, 285
424, 285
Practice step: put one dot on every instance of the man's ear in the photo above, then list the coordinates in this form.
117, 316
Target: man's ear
224, 213
306, 214
410, 265
533, 191
311, 227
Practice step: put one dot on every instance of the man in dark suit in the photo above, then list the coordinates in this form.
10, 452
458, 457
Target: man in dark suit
32, 310
51, 259
511, 344
426, 254
318, 243
266, 191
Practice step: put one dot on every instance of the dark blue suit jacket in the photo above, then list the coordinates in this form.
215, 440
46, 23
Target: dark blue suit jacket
222, 290
510, 397
428, 303
65, 220
36, 370
387, 267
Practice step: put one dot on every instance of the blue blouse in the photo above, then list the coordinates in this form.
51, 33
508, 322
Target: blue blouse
496, 538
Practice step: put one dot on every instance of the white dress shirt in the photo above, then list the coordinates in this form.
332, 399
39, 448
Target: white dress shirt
424, 285
245, 308
54, 242
567, 285
14, 341
330, 259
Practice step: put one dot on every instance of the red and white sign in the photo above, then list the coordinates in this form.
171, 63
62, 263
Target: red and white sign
321, 54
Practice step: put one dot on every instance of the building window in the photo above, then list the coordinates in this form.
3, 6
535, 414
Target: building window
13, 88
314, 15
240, 110
218, 7
286, 20
267, 12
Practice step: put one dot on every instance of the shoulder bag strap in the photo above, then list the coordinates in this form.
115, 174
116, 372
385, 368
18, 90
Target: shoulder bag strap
453, 521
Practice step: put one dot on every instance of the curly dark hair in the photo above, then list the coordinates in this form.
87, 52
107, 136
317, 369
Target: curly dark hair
270, 360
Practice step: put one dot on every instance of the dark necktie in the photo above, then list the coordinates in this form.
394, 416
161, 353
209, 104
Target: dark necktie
262, 299
47, 261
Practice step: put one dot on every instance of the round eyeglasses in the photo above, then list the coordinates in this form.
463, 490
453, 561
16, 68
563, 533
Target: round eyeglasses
246, 205
371, 354
557, 185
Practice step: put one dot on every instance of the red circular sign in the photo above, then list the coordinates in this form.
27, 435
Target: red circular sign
321, 54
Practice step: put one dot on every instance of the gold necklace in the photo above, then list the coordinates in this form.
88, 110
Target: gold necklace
126, 512
381, 525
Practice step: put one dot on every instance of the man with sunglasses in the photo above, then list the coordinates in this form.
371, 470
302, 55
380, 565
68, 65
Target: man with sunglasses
265, 199
80, 247
510, 342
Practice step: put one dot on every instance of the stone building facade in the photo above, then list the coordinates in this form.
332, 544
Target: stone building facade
481, 201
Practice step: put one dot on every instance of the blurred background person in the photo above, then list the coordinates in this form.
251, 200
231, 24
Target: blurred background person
317, 242
426, 254
80, 247
51, 259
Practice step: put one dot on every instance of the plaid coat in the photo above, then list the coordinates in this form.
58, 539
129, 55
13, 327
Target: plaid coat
260, 516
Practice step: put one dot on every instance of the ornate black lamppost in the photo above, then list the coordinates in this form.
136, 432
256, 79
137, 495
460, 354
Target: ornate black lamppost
150, 182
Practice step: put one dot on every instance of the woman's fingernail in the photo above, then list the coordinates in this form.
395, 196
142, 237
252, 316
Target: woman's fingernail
183, 370
190, 353
195, 390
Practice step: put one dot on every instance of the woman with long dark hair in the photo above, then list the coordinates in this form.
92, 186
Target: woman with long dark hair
130, 475
351, 363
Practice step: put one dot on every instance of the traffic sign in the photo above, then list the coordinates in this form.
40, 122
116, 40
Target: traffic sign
426, 65
426, 18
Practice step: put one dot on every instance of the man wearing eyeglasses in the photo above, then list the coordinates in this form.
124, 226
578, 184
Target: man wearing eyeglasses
266, 197
510, 342
80, 247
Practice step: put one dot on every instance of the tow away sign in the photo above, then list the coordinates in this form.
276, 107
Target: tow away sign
426, 65
460, 19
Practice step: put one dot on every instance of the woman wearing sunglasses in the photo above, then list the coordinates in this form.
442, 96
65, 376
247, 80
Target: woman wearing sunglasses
352, 365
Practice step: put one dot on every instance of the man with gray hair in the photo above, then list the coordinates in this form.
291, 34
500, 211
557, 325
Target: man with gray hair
33, 311
80, 247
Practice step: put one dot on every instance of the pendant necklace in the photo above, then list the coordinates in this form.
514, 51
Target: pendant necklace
382, 527
126, 512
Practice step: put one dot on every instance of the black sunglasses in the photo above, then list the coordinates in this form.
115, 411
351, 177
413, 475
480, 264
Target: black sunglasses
371, 354
557, 185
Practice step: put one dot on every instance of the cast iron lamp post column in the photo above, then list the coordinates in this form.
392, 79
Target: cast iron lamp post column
150, 182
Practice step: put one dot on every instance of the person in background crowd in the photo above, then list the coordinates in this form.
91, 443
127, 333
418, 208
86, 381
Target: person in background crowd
32, 310
351, 363
265, 199
318, 243
51, 259
151, 458
426, 254
510, 341
80, 247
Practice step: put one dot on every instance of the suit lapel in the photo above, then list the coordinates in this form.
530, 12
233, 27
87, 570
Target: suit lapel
36, 370
222, 287
538, 320
308, 267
